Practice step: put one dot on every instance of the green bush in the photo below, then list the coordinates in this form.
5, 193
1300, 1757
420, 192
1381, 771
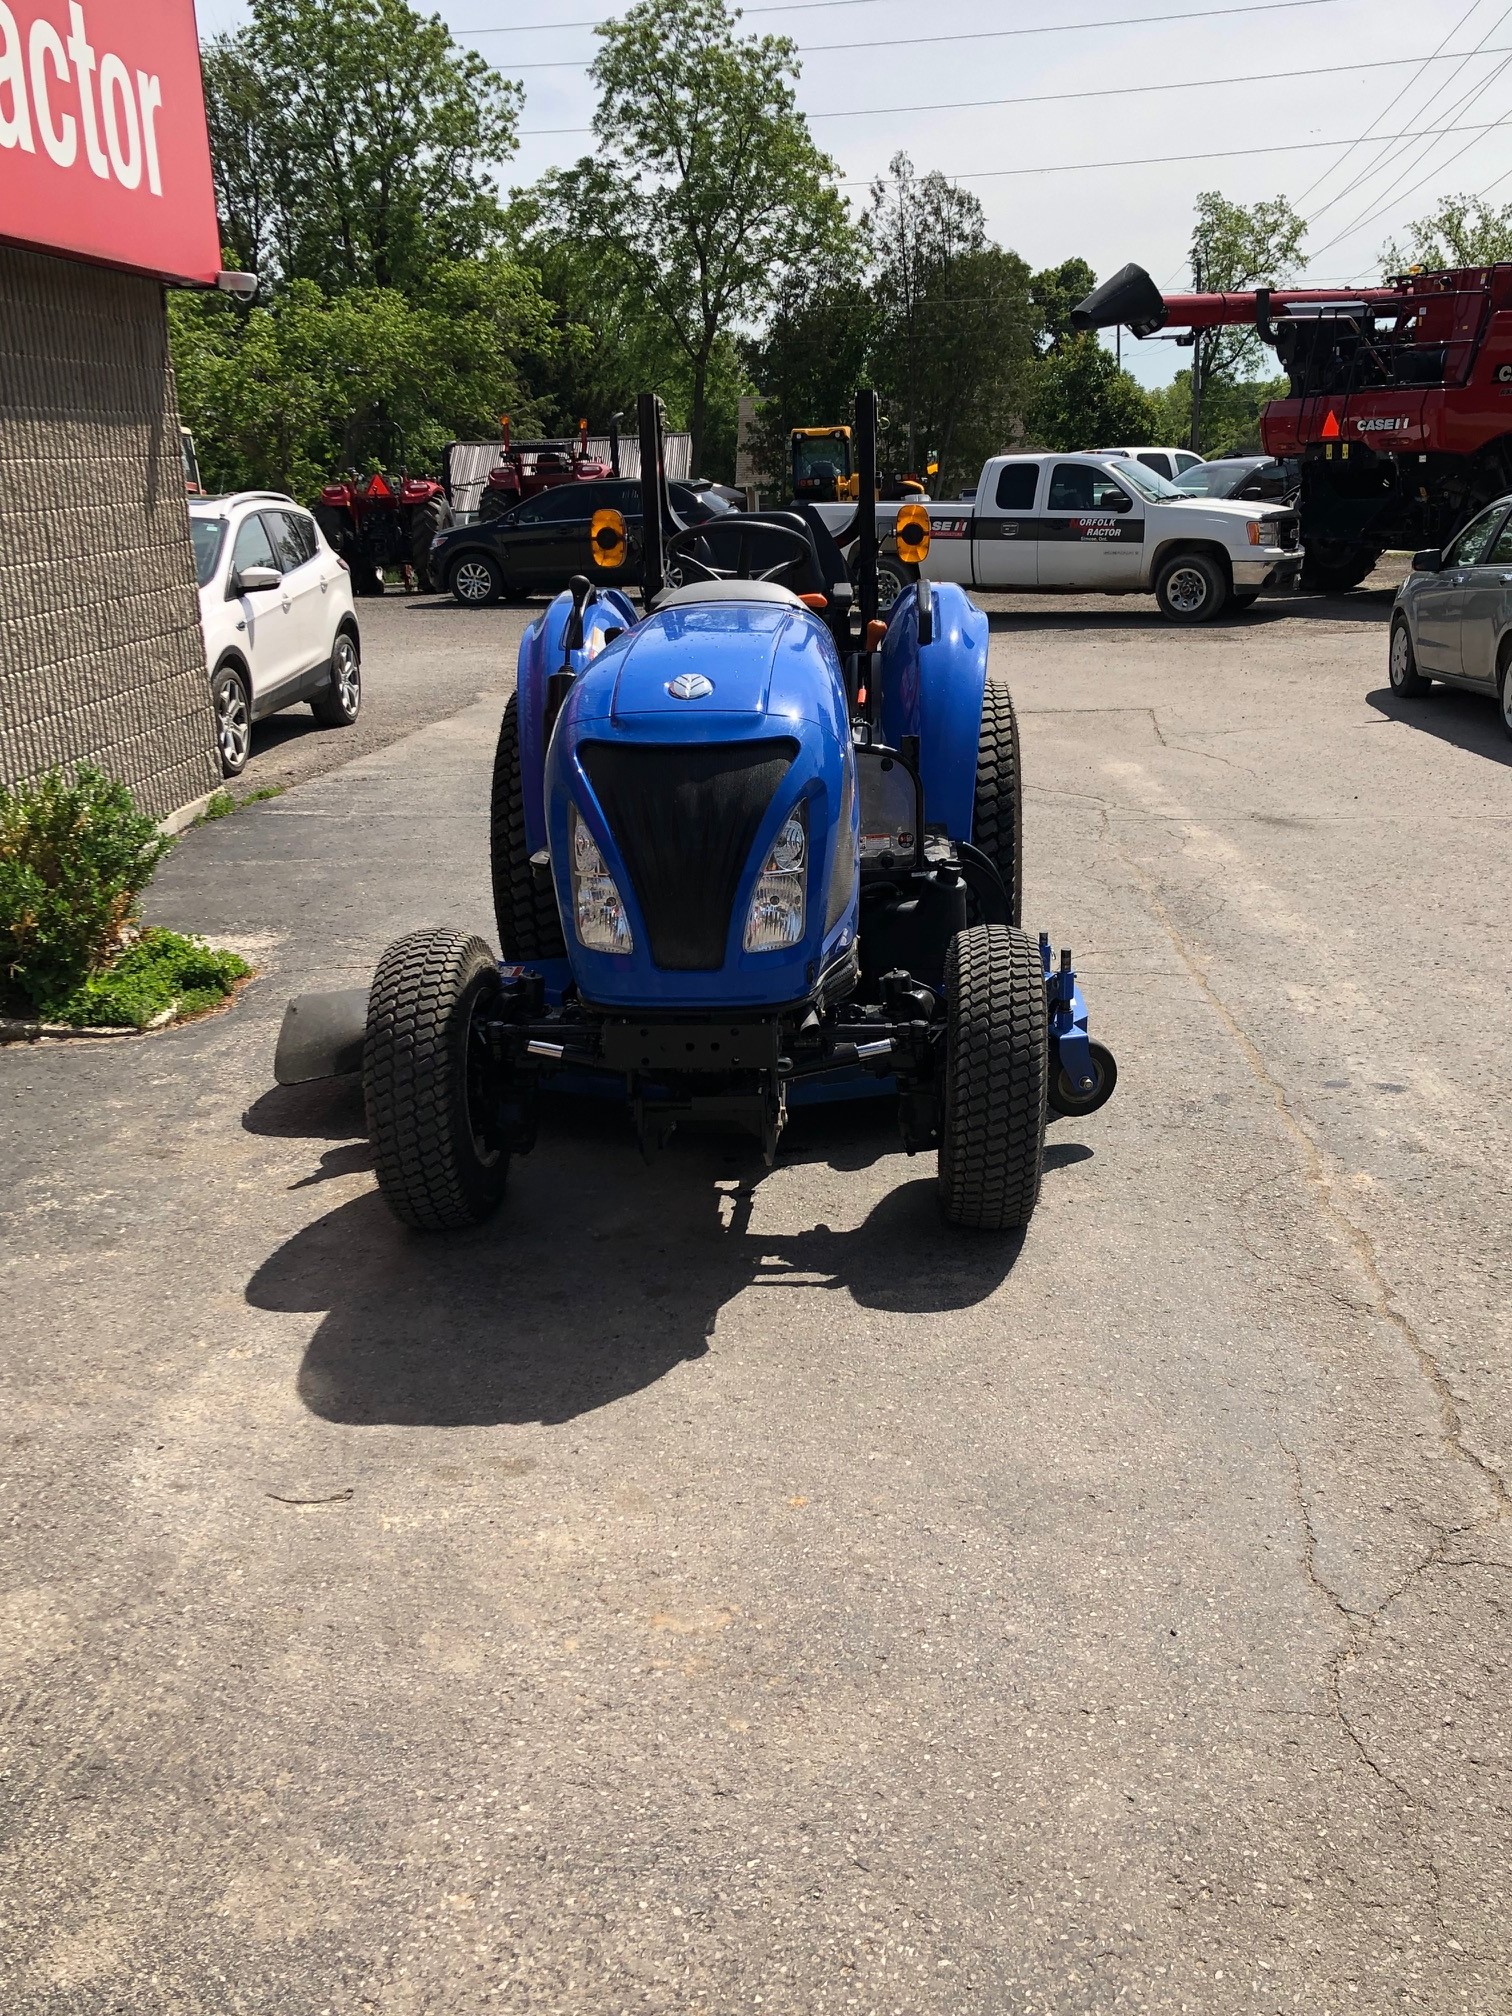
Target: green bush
158, 971
74, 857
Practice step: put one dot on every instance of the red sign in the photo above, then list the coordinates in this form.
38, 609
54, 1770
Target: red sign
103, 148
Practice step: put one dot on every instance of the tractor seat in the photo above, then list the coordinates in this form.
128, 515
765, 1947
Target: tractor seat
725, 591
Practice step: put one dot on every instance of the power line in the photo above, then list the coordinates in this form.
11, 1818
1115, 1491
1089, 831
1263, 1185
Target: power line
1460, 104
1000, 34
597, 21
1394, 103
1379, 206
1168, 160
1060, 97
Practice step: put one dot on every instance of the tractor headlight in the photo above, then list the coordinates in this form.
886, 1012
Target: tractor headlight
598, 909
775, 919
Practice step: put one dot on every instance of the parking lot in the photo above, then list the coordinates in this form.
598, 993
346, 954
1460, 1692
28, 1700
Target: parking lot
711, 1589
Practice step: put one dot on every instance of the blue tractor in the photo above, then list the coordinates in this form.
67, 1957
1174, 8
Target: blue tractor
752, 848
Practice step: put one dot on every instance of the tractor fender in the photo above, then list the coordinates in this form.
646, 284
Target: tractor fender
936, 693
541, 654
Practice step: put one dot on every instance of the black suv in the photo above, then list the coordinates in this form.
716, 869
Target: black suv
538, 546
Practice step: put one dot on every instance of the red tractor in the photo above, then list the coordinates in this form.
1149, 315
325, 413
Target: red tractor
526, 467
384, 521
1399, 405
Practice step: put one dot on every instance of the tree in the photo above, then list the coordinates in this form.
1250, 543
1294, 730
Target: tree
354, 143
954, 325
1231, 410
1082, 400
283, 396
706, 189
1462, 231
1054, 293
1234, 248
808, 364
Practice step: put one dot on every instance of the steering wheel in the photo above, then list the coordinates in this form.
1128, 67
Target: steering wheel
679, 549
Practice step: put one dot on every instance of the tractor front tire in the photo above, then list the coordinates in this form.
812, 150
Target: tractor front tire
1333, 568
997, 815
529, 927
992, 1112
426, 522
427, 1081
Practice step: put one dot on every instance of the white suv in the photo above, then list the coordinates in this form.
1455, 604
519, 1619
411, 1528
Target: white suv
276, 611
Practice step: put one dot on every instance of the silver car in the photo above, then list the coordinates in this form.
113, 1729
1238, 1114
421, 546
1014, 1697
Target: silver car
1453, 614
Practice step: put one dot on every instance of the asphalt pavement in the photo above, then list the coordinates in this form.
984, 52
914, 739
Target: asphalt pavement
708, 1589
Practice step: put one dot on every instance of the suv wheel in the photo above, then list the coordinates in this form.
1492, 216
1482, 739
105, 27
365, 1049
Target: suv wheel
1190, 588
476, 581
233, 720
341, 703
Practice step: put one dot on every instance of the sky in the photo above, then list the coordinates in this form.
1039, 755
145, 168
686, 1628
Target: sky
1317, 100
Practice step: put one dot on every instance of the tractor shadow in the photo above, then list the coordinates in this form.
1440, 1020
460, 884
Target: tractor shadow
601, 1274
1471, 721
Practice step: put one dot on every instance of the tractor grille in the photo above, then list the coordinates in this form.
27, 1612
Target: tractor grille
684, 819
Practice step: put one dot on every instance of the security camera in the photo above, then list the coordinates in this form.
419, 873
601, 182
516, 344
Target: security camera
237, 283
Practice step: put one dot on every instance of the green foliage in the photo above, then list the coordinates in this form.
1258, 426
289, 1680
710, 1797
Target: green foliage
157, 972
222, 804
1230, 412
1054, 293
954, 336
355, 143
75, 854
1082, 400
809, 363
1462, 231
287, 395
704, 191
1236, 247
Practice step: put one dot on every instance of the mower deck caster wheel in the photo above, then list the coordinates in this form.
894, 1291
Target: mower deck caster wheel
1067, 1100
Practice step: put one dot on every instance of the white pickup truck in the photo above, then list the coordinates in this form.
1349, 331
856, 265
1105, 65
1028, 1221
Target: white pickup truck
1080, 525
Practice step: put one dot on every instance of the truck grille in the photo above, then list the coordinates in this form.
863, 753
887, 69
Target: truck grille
684, 818
1290, 530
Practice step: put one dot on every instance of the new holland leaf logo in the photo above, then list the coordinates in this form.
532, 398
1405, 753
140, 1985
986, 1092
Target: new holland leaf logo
690, 686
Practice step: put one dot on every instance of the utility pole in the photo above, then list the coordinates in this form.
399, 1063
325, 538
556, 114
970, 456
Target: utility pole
1195, 442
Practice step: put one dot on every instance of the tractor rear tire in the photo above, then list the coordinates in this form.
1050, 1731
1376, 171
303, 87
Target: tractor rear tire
336, 527
426, 521
529, 927
992, 1112
427, 1081
494, 503
997, 813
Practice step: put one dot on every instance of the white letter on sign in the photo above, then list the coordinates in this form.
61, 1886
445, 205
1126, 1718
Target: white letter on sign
15, 125
62, 140
118, 103
84, 63
151, 94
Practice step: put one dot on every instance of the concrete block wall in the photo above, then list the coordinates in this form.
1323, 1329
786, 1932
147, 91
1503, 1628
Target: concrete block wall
100, 647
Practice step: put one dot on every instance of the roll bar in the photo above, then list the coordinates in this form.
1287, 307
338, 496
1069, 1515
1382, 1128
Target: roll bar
656, 503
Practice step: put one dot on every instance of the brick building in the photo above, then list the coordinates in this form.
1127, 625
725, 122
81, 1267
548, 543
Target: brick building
105, 195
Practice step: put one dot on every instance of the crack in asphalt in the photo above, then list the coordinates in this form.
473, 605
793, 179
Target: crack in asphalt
1358, 1626
1451, 1407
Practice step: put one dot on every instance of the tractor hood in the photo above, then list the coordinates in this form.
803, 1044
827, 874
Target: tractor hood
728, 647
742, 662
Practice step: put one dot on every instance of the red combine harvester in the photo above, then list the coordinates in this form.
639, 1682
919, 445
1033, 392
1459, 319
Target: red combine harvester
384, 521
526, 467
1399, 407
